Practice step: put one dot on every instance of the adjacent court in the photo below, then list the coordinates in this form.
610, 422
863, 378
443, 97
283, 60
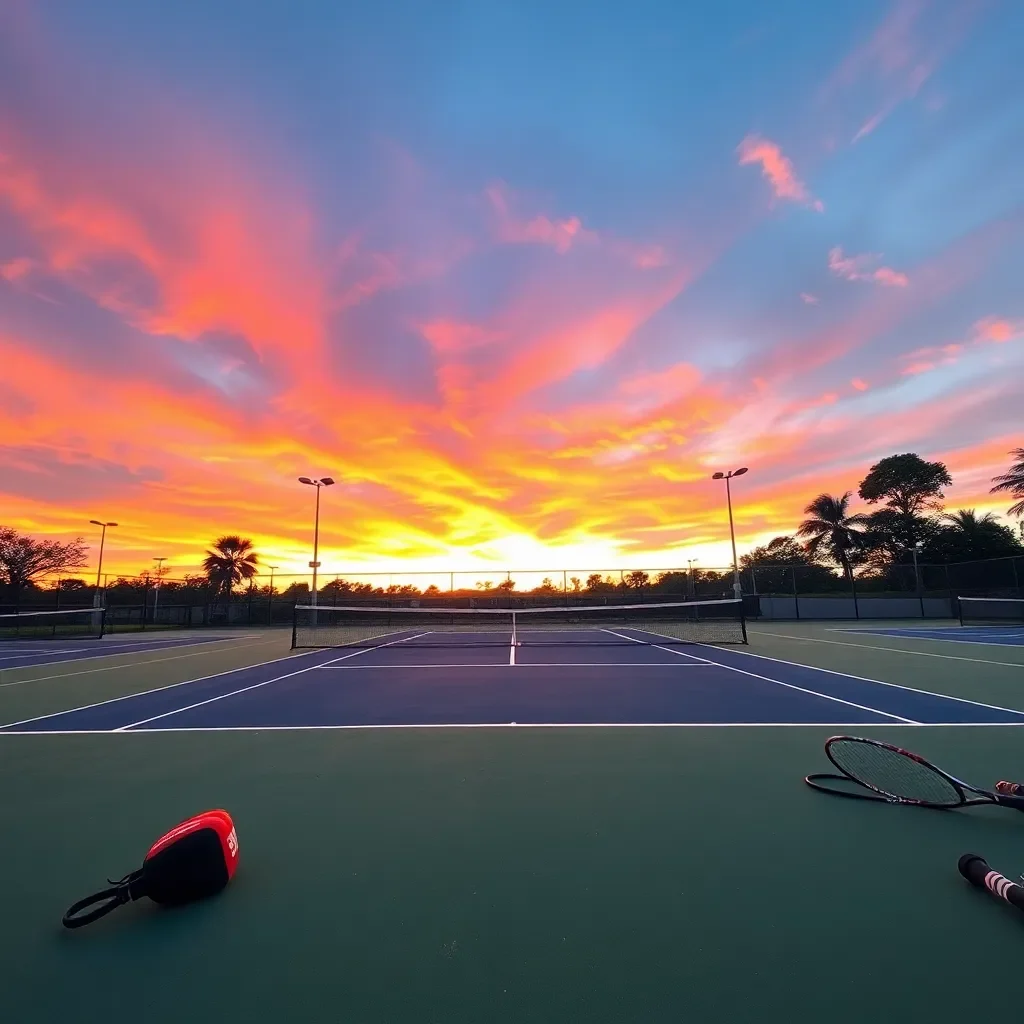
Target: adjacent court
998, 636
25, 653
607, 824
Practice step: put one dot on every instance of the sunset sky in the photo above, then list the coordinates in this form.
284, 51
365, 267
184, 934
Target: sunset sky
520, 276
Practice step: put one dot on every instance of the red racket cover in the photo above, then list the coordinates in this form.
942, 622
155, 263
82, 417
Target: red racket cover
195, 859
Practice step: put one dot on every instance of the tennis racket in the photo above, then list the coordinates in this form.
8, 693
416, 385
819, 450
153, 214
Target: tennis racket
978, 873
897, 776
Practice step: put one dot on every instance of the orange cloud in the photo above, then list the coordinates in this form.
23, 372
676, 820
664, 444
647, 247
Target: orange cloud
859, 268
777, 170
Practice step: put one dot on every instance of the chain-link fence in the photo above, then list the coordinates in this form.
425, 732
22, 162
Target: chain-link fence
990, 577
191, 600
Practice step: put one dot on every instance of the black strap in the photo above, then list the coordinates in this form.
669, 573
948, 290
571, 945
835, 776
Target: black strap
108, 900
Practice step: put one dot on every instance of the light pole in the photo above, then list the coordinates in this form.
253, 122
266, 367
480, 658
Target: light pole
103, 539
156, 586
690, 579
914, 550
270, 597
737, 587
324, 481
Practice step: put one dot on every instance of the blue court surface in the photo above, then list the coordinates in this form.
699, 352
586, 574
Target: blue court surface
1000, 636
27, 653
578, 683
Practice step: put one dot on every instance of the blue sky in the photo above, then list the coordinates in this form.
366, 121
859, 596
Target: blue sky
469, 257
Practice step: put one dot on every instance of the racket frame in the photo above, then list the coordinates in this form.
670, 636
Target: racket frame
959, 786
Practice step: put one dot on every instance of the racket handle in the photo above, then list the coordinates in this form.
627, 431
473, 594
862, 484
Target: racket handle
977, 872
1010, 788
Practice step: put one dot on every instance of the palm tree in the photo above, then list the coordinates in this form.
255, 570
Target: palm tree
966, 521
831, 528
231, 561
1013, 481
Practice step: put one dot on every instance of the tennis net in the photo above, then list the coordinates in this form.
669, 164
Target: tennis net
991, 611
705, 622
72, 623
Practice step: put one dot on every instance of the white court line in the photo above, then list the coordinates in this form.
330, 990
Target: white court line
256, 686
531, 664
95, 652
522, 725
894, 650
768, 679
111, 668
156, 689
29, 654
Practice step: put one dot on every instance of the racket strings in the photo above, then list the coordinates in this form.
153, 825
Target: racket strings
893, 773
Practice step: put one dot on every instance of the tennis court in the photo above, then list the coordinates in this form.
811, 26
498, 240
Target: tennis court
999, 636
603, 824
25, 653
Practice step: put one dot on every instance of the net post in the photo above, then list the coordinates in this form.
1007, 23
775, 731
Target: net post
743, 621
103, 621
959, 609
295, 622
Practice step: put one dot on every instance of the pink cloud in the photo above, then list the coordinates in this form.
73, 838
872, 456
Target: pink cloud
998, 331
663, 385
859, 268
777, 169
923, 360
449, 336
810, 300
903, 53
560, 235
858, 385
16, 269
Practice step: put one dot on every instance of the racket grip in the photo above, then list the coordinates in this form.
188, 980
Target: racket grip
1010, 788
978, 873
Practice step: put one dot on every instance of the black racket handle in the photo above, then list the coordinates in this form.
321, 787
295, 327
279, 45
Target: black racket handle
976, 870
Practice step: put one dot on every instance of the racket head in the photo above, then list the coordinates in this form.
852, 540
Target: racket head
894, 773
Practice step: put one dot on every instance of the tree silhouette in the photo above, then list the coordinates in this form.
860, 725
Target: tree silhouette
1013, 481
906, 483
23, 558
832, 530
231, 561
965, 536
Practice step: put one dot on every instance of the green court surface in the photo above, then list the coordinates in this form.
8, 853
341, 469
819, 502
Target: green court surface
512, 874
